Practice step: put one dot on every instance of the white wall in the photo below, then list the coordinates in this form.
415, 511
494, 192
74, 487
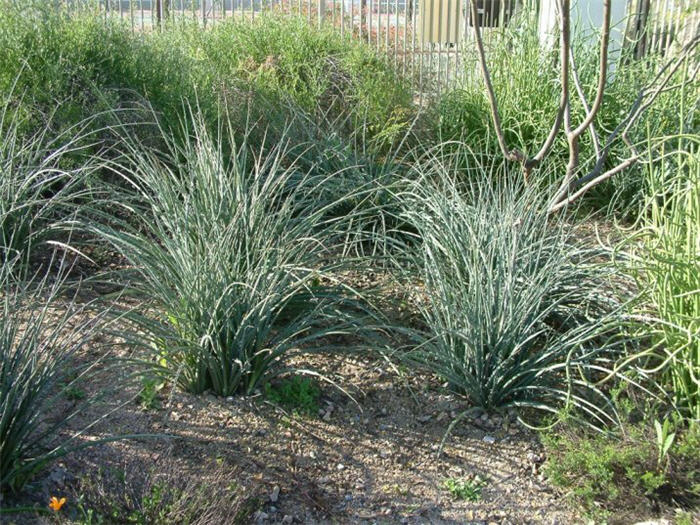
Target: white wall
586, 21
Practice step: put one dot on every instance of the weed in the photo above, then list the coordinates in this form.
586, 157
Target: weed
609, 474
297, 393
465, 489
150, 390
159, 498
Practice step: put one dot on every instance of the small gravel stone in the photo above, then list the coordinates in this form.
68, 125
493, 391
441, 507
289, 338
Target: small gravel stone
287, 519
340, 466
275, 494
489, 439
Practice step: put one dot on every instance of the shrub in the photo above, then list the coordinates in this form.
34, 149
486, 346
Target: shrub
232, 254
516, 312
526, 83
38, 341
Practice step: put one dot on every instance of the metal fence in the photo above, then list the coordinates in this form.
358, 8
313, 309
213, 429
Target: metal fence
430, 41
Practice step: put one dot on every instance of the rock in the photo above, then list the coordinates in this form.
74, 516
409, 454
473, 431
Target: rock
489, 439
230, 399
348, 497
384, 454
272, 509
261, 516
424, 419
274, 496
340, 466
287, 519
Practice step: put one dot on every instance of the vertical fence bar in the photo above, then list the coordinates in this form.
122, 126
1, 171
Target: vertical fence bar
378, 12
414, 14
342, 18
396, 34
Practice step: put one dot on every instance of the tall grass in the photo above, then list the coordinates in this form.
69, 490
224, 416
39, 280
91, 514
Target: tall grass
516, 312
666, 263
257, 69
233, 256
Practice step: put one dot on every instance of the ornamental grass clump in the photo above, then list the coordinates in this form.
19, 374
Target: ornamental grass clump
40, 181
234, 257
515, 312
40, 332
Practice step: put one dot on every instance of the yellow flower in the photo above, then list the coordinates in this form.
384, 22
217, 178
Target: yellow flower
56, 503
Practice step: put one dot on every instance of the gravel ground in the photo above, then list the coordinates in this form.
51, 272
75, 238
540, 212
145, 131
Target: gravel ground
369, 458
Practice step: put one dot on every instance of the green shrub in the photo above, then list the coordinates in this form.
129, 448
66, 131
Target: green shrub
262, 70
231, 254
618, 476
516, 312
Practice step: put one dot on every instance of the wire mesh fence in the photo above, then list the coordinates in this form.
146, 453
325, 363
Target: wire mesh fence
430, 41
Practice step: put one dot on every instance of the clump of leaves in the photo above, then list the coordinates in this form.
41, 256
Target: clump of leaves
465, 489
297, 393
38, 341
40, 180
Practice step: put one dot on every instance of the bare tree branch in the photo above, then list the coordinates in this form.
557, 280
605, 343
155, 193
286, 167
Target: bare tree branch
571, 187
491, 94
584, 102
602, 70
645, 99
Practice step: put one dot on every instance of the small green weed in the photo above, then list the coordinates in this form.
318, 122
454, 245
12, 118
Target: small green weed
297, 393
149, 396
465, 489
73, 393
607, 475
